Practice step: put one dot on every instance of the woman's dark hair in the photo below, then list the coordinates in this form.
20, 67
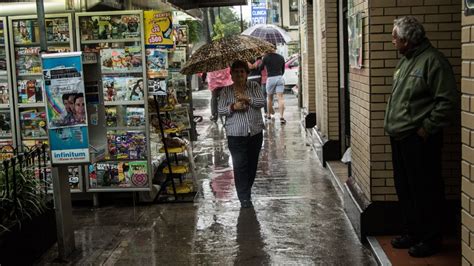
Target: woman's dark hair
240, 64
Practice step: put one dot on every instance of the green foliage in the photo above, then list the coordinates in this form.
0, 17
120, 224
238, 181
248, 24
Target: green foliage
28, 202
194, 30
222, 30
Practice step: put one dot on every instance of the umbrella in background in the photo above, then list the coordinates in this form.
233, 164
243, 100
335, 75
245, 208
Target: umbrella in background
222, 53
268, 32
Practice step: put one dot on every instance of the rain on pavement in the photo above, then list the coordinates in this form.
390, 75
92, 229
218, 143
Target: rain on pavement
298, 218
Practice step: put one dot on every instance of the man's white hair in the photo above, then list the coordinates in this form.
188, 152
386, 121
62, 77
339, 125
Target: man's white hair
409, 29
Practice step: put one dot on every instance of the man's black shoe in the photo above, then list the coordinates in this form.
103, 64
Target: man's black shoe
403, 242
424, 249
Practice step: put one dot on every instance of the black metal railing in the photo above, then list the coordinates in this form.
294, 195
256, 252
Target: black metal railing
34, 161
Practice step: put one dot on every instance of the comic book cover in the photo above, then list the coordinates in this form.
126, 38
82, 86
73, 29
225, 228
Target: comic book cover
117, 144
157, 87
59, 49
135, 116
25, 31
33, 123
115, 89
57, 30
138, 172
4, 95
5, 123
104, 175
181, 35
157, 63
29, 91
130, 27
111, 116
137, 145
28, 60
126, 59
177, 58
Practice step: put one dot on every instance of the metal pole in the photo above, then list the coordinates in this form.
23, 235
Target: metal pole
42, 26
241, 20
62, 203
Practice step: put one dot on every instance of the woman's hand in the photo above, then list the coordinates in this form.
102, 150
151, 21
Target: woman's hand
240, 106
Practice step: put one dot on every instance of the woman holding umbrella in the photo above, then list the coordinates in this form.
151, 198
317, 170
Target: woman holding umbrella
241, 103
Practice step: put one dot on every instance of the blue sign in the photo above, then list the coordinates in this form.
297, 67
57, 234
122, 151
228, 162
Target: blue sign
259, 12
66, 113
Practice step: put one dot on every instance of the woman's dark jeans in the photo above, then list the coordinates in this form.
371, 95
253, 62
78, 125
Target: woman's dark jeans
245, 152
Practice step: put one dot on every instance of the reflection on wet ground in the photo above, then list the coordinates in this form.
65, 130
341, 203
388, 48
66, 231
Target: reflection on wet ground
298, 217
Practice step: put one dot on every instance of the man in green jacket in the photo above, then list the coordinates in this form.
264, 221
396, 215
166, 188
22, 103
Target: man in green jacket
423, 101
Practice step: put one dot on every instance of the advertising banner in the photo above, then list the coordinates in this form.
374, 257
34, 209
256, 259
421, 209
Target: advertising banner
158, 29
259, 12
65, 108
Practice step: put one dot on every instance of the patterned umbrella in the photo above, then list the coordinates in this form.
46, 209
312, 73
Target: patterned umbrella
268, 32
222, 53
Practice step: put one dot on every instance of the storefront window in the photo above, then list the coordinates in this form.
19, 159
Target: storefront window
293, 12
274, 12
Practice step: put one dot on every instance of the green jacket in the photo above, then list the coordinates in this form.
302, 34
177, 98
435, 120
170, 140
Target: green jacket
424, 93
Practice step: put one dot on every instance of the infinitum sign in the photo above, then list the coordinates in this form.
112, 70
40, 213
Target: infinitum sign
259, 12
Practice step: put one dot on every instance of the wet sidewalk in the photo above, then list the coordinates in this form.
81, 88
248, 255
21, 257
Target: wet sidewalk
298, 218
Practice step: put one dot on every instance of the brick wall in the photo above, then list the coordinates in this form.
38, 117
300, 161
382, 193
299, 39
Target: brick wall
326, 49
359, 89
307, 57
441, 20
467, 133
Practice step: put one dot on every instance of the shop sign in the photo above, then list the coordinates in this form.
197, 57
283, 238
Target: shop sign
66, 109
158, 29
259, 12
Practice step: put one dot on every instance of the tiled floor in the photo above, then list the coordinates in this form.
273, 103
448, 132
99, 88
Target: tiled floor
450, 255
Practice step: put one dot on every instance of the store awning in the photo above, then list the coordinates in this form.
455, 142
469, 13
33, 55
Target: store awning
191, 4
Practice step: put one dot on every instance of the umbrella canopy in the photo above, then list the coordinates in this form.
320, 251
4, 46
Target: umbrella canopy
222, 53
268, 32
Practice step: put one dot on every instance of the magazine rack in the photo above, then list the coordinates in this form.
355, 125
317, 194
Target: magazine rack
184, 191
27, 81
113, 47
7, 138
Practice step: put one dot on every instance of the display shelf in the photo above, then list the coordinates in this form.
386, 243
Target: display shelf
4, 106
173, 150
35, 138
111, 41
176, 169
8, 136
113, 103
38, 44
116, 39
31, 105
30, 75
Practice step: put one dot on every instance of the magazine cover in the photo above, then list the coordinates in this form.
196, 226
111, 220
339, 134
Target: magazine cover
177, 58
157, 87
180, 117
5, 123
181, 35
135, 90
118, 174
4, 95
128, 59
25, 31
135, 116
138, 172
28, 60
57, 30
157, 63
158, 29
33, 123
179, 86
29, 91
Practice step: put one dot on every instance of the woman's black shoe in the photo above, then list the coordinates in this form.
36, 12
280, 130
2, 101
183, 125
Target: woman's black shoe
403, 242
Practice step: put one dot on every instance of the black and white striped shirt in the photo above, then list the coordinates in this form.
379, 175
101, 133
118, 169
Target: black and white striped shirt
246, 122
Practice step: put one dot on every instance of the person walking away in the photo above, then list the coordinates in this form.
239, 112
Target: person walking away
275, 65
263, 81
241, 103
423, 101
216, 80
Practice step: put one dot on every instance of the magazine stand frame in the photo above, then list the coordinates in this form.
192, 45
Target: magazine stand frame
135, 74
15, 77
